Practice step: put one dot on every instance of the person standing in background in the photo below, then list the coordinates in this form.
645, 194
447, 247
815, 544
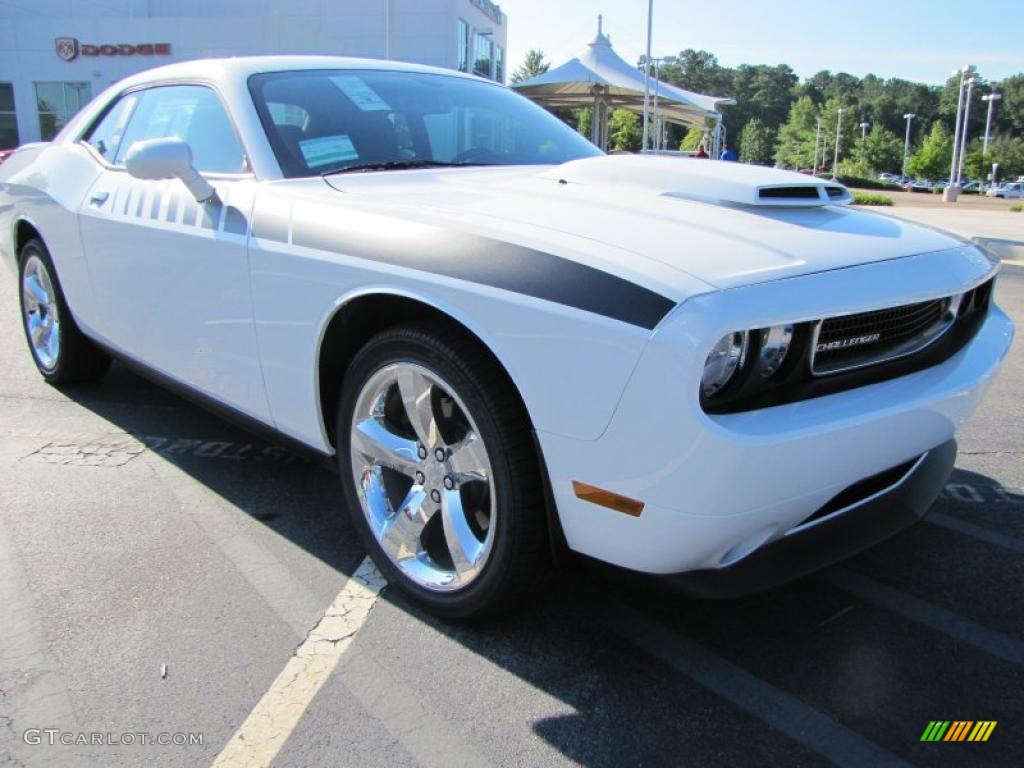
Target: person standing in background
700, 152
728, 154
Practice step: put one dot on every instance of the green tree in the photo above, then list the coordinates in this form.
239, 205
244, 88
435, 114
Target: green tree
880, 150
825, 86
761, 91
757, 143
1009, 111
948, 98
933, 158
583, 118
978, 165
533, 65
697, 71
795, 145
848, 130
1009, 153
624, 130
692, 138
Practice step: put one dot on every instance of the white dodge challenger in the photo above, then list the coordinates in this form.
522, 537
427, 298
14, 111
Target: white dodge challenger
508, 342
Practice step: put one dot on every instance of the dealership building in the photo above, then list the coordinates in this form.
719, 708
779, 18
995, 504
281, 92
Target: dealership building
55, 55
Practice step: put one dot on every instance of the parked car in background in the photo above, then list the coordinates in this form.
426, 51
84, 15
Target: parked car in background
919, 185
427, 279
1012, 191
971, 188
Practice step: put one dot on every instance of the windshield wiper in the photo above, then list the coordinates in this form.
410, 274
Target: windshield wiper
396, 165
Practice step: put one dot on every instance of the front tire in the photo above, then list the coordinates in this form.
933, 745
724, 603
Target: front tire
440, 473
59, 349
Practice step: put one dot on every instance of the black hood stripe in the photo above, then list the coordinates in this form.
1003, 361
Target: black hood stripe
476, 259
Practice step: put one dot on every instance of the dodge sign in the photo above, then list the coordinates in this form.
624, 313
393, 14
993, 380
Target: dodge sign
69, 49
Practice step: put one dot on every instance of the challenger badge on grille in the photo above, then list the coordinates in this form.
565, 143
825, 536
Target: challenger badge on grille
846, 342
853, 341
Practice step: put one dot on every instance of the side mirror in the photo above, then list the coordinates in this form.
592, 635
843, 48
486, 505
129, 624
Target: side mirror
168, 159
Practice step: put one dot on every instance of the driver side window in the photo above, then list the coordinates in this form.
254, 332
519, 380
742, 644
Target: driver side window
105, 137
192, 113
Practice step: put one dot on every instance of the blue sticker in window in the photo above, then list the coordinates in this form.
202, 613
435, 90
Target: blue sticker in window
327, 150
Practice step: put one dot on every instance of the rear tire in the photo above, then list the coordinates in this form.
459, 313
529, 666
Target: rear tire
440, 473
59, 349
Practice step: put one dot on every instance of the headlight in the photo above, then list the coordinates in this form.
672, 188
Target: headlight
775, 343
725, 359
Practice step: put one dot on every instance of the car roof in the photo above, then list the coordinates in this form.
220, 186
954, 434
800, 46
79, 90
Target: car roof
243, 67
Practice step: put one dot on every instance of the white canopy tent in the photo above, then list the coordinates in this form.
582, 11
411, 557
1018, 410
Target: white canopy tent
599, 78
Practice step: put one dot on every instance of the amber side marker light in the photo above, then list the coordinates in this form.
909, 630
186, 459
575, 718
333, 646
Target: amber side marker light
604, 498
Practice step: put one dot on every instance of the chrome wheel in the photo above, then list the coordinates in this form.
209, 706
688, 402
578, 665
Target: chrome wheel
42, 317
423, 476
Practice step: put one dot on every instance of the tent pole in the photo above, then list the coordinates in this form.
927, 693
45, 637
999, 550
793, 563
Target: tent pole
647, 72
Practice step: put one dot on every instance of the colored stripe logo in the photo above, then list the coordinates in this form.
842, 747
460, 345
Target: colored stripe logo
958, 730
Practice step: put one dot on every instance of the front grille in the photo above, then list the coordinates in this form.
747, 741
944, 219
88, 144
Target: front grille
838, 353
854, 341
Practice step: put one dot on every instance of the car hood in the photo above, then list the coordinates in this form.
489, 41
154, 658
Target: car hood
702, 218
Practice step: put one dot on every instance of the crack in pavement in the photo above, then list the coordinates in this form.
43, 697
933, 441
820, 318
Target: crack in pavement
992, 453
268, 726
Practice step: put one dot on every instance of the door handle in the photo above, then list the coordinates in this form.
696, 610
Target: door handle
99, 198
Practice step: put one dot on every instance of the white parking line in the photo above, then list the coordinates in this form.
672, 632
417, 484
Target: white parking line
784, 712
990, 641
268, 726
977, 532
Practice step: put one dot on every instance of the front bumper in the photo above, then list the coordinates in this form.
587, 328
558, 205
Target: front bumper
852, 529
718, 488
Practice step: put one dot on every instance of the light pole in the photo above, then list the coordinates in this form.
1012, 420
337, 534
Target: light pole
991, 98
658, 60
963, 139
949, 195
906, 143
835, 160
647, 72
817, 141
864, 129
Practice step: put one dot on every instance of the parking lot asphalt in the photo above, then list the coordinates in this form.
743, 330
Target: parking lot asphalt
159, 568
995, 226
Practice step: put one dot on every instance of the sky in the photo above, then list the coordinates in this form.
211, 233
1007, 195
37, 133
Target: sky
918, 40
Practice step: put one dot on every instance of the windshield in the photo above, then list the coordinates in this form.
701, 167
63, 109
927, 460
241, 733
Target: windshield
327, 121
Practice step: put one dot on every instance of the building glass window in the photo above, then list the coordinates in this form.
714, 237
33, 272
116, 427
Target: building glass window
483, 53
463, 46
57, 103
499, 64
8, 119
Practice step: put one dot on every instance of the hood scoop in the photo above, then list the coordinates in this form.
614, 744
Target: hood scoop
712, 181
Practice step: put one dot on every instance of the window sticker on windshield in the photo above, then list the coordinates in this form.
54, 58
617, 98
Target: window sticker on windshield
327, 149
362, 95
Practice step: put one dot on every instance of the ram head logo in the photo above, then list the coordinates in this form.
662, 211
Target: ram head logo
67, 48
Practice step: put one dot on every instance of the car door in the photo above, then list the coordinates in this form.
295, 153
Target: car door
170, 275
